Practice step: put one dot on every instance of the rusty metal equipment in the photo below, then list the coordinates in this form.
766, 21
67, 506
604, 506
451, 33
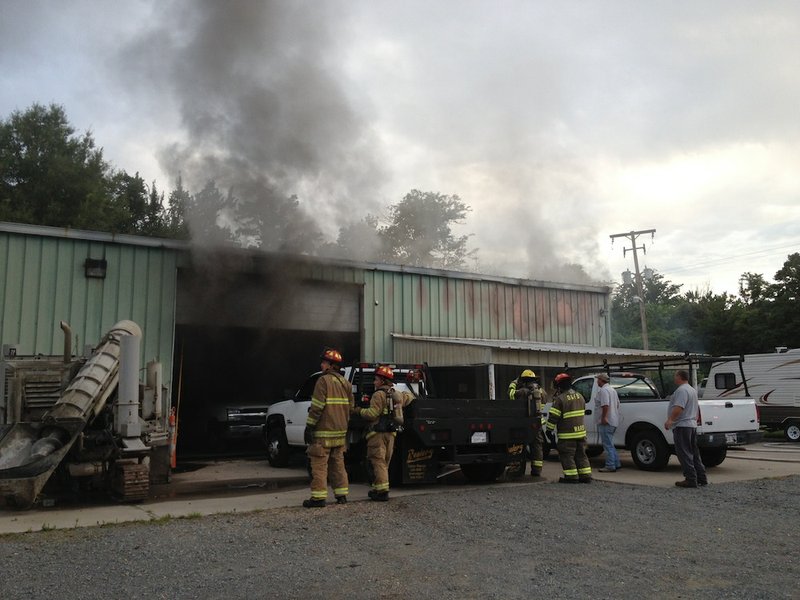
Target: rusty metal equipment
69, 420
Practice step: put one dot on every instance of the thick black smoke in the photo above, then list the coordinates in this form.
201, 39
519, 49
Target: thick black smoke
264, 109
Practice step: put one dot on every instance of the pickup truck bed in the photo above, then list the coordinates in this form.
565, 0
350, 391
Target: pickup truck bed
485, 437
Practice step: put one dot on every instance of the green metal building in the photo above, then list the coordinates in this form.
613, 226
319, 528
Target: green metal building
232, 325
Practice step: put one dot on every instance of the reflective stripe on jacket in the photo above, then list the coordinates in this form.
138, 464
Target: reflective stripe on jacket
566, 415
329, 414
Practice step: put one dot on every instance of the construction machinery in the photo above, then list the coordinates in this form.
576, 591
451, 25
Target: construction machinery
82, 423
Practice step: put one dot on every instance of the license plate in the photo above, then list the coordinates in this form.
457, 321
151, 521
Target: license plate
731, 438
480, 437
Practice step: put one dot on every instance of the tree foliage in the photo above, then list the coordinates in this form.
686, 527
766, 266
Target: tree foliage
418, 232
49, 175
760, 318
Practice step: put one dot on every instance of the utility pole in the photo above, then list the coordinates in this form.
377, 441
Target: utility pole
632, 236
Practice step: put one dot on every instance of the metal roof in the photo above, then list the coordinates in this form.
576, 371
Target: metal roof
92, 236
135, 240
541, 346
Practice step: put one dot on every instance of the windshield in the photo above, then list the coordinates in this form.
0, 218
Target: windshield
633, 386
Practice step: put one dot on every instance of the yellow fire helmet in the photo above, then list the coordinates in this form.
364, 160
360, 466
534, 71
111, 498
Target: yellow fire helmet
527, 374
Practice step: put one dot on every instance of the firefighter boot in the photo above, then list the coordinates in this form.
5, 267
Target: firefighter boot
378, 496
314, 503
341, 499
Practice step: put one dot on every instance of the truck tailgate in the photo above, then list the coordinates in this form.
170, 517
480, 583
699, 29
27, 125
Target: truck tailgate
721, 416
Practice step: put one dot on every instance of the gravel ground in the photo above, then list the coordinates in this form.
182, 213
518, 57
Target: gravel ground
606, 540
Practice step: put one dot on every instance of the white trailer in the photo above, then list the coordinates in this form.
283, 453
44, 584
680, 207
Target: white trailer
773, 380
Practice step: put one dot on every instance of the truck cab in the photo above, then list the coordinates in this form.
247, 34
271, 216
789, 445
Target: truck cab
643, 412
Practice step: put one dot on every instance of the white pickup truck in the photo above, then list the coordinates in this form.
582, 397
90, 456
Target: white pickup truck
286, 420
643, 411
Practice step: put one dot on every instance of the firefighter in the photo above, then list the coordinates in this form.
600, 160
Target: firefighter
326, 431
381, 432
566, 418
526, 388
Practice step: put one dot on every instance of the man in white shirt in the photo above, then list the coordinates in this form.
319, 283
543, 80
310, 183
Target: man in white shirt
607, 404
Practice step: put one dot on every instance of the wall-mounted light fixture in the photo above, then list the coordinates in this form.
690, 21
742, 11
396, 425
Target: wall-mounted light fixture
95, 267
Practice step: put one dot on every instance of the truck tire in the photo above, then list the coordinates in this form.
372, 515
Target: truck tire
792, 432
277, 446
592, 451
713, 456
649, 450
483, 473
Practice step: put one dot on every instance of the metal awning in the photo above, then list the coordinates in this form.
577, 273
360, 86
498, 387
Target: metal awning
446, 351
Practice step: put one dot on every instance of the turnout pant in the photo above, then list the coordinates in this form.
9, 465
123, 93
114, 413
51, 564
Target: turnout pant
537, 455
574, 462
689, 454
379, 451
324, 462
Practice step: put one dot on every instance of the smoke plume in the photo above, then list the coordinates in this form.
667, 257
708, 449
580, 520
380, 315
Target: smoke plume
264, 111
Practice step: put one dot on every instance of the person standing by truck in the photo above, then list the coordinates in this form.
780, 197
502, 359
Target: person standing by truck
682, 414
566, 418
326, 431
381, 432
526, 388
607, 405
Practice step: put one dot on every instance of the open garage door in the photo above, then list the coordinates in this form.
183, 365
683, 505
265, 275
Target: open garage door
247, 344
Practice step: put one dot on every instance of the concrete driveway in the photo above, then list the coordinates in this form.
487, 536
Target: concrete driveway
231, 486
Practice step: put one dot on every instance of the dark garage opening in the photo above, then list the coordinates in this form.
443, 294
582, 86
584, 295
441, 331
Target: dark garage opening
237, 368
248, 333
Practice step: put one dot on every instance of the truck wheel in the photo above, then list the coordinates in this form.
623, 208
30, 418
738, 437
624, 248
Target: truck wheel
713, 456
483, 473
649, 450
277, 446
792, 432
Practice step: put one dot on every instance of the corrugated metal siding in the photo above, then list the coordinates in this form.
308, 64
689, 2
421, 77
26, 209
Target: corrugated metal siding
415, 304
408, 351
449, 353
42, 282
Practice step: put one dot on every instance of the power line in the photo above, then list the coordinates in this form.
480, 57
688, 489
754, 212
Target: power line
717, 261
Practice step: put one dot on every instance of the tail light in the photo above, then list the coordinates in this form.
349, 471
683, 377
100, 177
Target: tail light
758, 414
440, 435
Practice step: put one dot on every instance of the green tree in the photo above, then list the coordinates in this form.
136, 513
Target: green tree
661, 298
420, 231
358, 241
205, 210
175, 220
128, 203
753, 288
49, 175
783, 323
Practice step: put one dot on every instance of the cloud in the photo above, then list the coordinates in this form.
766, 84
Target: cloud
558, 123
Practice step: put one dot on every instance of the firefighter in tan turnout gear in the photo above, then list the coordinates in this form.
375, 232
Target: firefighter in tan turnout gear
326, 431
382, 431
566, 418
525, 388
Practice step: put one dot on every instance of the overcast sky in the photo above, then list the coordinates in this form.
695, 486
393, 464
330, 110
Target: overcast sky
558, 123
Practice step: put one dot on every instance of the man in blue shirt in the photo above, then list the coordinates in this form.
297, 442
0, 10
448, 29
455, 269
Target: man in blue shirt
682, 415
